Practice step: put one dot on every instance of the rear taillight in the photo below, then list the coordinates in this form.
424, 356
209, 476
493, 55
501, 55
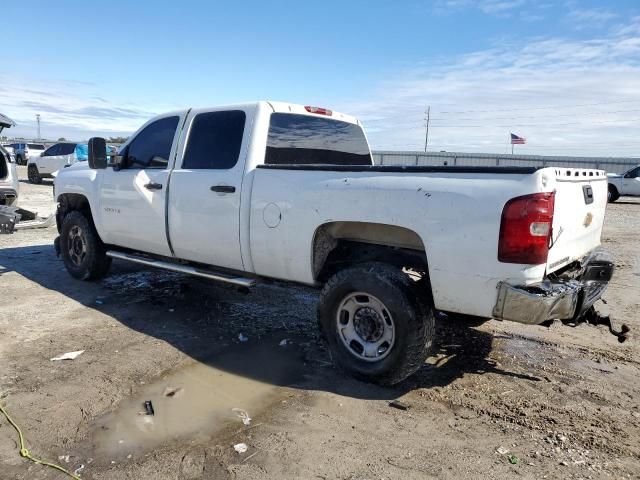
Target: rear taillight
525, 229
318, 110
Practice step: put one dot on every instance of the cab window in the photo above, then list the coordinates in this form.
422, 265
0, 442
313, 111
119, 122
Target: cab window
214, 140
152, 146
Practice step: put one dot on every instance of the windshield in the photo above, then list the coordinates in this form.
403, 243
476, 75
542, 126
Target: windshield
307, 140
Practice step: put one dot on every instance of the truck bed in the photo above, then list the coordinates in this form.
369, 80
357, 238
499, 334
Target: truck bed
405, 168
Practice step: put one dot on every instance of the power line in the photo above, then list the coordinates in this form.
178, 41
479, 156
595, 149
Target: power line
538, 124
543, 108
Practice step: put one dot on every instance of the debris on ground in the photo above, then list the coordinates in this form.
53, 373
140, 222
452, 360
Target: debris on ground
244, 416
283, 343
148, 408
242, 337
240, 447
513, 460
173, 392
68, 356
79, 470
399, 405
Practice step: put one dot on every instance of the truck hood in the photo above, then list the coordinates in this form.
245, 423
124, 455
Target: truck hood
614, 175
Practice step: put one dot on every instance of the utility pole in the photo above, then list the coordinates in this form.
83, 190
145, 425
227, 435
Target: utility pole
427, 119
38, 120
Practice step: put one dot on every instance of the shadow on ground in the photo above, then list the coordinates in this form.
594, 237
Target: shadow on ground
204, 320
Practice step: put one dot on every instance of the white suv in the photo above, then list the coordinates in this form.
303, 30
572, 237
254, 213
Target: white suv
55, 158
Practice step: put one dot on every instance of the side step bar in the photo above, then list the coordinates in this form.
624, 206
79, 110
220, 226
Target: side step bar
174, 267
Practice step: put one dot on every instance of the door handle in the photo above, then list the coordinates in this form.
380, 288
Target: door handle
153, 186
223, 188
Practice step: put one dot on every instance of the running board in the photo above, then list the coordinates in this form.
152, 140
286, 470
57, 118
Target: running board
174, 267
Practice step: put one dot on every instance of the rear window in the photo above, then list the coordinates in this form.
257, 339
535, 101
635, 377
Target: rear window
305, 140
214, 140
37, 146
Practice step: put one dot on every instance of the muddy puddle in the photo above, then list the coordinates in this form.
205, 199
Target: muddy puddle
199, 400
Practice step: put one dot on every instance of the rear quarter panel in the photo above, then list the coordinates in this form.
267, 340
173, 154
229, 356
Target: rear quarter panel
457, 216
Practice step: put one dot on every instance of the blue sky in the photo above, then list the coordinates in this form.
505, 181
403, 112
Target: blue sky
564, 74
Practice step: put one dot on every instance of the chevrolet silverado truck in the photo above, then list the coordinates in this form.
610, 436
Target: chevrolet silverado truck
626, 184
282, 191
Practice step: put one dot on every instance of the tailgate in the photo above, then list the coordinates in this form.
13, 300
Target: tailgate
580, 203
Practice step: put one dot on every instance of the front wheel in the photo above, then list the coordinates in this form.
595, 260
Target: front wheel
33, 174
612, 194
379, 327
82, 251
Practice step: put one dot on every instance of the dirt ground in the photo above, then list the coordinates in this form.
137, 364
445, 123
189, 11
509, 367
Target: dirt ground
559, 402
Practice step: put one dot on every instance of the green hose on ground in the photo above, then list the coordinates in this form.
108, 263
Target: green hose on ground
27, 454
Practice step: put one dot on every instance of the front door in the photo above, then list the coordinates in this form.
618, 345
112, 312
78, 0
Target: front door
52, 161
631, 182
204, 212
132, 198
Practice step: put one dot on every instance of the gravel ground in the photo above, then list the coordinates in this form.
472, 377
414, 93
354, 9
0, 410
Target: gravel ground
558, 402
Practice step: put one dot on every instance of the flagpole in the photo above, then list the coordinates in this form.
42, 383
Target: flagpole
511, 140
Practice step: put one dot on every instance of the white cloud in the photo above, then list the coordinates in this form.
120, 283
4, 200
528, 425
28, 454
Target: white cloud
490, 7
68, 109
581, 19
566, 97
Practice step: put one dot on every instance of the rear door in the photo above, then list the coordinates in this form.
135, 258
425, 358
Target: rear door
580, 204
132, 198
204, 208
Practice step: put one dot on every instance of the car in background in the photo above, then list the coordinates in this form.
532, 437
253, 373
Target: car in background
26, 151
54, 158
627, 183
8, 175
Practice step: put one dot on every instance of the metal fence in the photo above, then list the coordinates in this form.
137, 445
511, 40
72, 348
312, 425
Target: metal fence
610, 164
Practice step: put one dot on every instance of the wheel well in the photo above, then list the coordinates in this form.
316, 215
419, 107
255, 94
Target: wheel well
68, 202
338, 245
613, 188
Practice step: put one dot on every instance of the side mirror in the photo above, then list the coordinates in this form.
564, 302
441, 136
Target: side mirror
97, 155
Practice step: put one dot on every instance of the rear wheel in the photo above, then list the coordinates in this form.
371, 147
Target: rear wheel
20, 160
378, 326
613, 194
33, 174
83, 253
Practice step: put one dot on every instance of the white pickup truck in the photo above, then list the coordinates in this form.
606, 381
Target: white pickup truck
626, 184
278, 190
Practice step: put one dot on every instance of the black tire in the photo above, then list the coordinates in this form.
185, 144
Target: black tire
613, 194
83, 253
33, 174
411, 311
19, 160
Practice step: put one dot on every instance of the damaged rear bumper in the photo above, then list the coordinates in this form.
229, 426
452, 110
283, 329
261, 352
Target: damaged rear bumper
561, 298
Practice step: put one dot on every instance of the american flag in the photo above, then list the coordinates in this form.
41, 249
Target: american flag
516, 140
